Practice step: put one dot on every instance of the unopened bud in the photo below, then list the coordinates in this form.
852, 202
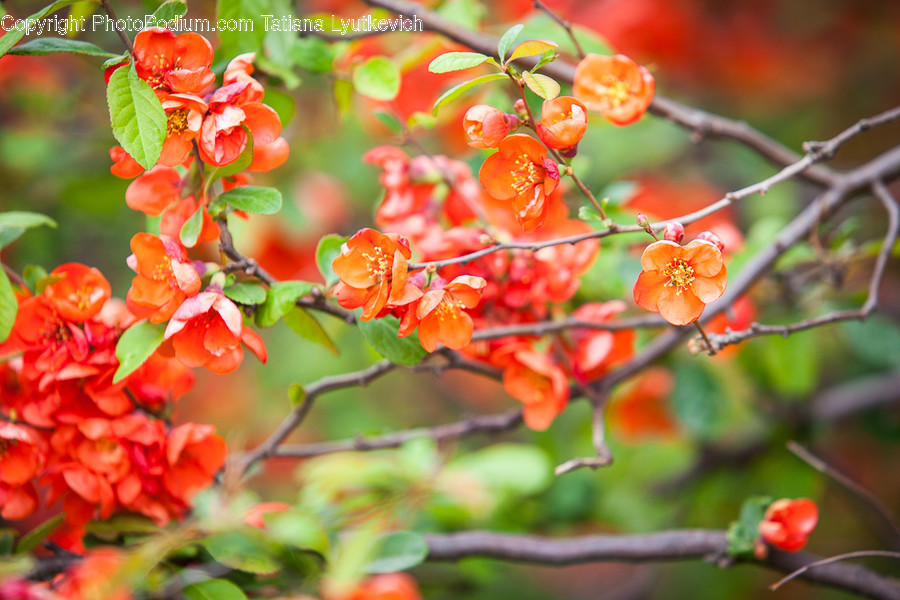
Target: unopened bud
709, 236
643, 220
520, 109
760, 550
674, 232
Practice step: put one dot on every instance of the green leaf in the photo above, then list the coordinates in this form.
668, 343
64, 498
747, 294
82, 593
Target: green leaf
121, 524
743, 533
245, 550
398, 551
389, 121
168, 11
697, 399
138, 118
78, 15
32, 274
308, 327
7, 541
8, 306
253, 199
213, 589
328, 249
280, 300
246, 293
12, 37
190, 231
547, 57
136, 345
115, 60
250, 26
297, 529
53, 45
540, 84
507, 40
296, 394
343, 96
533, 48
14, 223
378, 78
456, 61
514, 469
33, 538
458, 90
313, 54
382, 336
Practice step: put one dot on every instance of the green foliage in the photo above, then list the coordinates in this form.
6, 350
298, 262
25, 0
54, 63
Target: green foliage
397, 551
41, 46
744, 533
327, 250
377, 78
136, 345
245, 549
280, 299
192, 228
9, 307
12, 37
304, 324
246, 293
138, 118
533, 48
507, 40
33, 538
698, 398
253, 199
458, 90
382, 336
169, 11
15, 222
457, 61
540, 84
241, 11
213, 589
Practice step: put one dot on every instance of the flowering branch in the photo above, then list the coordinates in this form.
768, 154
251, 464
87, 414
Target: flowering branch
685, 544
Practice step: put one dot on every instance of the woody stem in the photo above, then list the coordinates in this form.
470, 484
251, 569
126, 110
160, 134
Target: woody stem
709, 344
112, 15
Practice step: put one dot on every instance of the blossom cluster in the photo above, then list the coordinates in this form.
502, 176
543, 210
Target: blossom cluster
71, 433
222, 121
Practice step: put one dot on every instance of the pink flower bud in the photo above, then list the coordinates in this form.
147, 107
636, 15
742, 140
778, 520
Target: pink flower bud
643, 220
520, 109
709, 236
486, 126
674, 232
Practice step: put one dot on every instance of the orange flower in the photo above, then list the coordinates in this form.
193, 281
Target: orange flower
20, 453
642, 412
94, 577
194, 454
596, 350
520, 171
563, 123
487, 126
254, 516
440, 316
207, 331
386, 586
165, 277
173, 63
788, 523
616, 86
80, 292
154, 191
679, 281
222, 137
533, 379
373, 271
124, 165
184, 115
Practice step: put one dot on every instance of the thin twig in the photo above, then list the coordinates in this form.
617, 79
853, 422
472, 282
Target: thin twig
107, 7
834, 559
847, 483
564, 23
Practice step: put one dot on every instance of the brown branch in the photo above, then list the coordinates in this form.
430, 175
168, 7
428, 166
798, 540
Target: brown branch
564, 23
313, 391
685, 544
834, 559
107, 7
489, 424
14, 277
854, 487
826, 149
539, 328
890, 239
249, 266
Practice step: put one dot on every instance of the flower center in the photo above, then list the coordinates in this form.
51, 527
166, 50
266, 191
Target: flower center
616, 90
177, 121
680, 274
448, 309
526, 174
163, 271
379, 264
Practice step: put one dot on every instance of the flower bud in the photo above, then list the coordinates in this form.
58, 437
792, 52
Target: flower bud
486, 126
709, 236
643, 220
520, 109
674, 232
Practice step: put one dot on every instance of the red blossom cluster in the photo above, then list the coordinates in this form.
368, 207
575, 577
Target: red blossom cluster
221, 121
95, 445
